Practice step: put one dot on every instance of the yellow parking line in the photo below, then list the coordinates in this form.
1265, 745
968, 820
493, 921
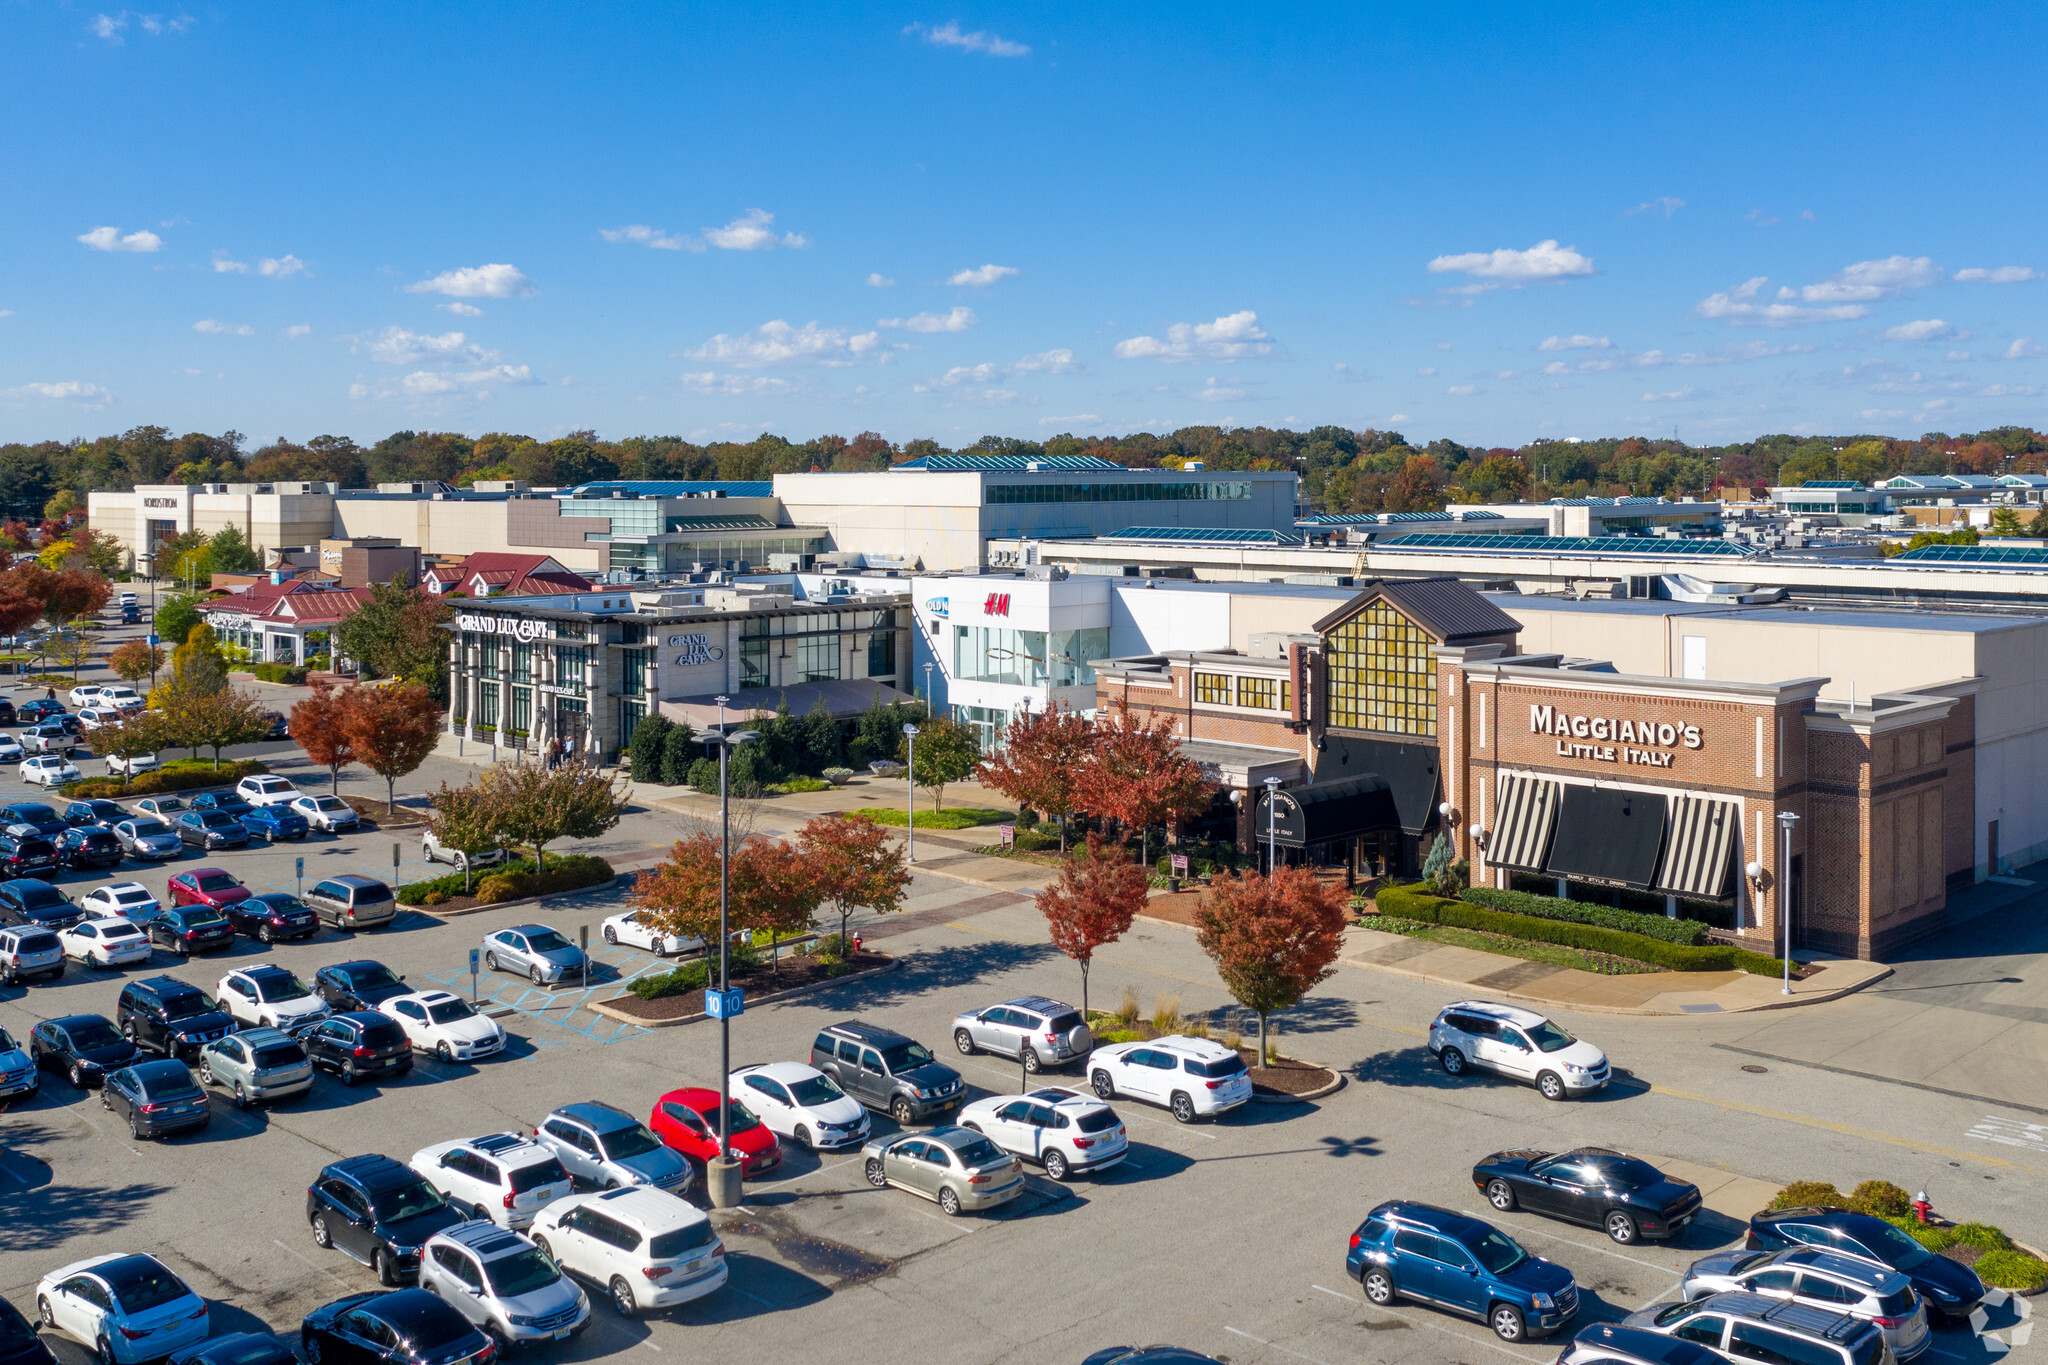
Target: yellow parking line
1843, 1128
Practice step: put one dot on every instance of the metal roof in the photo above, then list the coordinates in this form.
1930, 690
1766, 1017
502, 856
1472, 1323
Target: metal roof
1844, 484
1976, 556
745, 521
1444, 607
1009, 464
676, 488
1593, 546
1214, 535
1379, 518
1606, 502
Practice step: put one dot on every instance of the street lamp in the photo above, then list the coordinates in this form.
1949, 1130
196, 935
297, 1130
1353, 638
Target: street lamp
147, 563
927, 686
910, 786
1272, 789
722, 1173
1786, 819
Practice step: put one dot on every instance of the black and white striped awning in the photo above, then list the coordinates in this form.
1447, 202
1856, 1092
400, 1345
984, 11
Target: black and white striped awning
1524, 817
1699, 848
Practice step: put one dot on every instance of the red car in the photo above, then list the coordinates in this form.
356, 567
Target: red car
687, 1120
207, 886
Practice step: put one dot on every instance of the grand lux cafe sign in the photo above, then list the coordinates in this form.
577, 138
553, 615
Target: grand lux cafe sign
1629, 740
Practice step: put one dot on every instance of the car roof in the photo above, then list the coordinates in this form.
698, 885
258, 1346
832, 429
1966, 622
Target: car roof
162, 1068
1492, 1010
1645, 1344
373, 1171
780, 1071
867, 1033
951, 1135
169, 985
695, 1096
266, 970
650, 1210
263, 1037
429, 997
1432, 1218
595, 1114
509, 1149
1059, 1097
1800, 1317
1208, 1049
1854, 1269
486, 1239
69, 1021
351, 879
1041, 1004
530, 928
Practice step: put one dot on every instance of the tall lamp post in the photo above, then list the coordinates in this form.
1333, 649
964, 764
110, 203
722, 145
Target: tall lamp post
722, 1173
910, 787
1786, 819
147, 563
1272, 787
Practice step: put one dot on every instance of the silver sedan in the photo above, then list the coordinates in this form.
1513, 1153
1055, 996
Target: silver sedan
535, 952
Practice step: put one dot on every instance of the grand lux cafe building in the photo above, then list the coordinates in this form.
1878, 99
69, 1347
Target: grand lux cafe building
1413, 715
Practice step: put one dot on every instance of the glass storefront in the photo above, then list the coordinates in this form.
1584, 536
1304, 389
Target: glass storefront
1027, 658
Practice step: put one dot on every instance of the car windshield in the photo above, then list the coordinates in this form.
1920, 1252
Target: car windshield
274, 987
1222, 1066
448, 1011
1626, 1172
1497, 1253
815, 1090
1673, 1314
738, 1116
140, 1284
383, 1035
284, 905
118, 928
1548, 1037
522, 1272
624, 1143
682, 1241
167, 803
134, 895
216, 881
35, 943
184, 1006
202, 916
167, 1084
429, 1326
904, 1056
1892, 1246
329, 803
7, 1043
147, 826
978, 1151
215, 819
546, 941
403, 1202
1096, 1120
93, 1033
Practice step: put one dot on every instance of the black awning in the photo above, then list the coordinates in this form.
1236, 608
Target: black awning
1326, 812
1409, 771
1607, 837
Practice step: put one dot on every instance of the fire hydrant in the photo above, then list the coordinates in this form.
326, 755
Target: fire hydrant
856, 947
1921, 1208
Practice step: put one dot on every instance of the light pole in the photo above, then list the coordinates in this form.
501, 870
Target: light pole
721, 711
1786, 819
927, 688
910, 786
148, 565
722, 1173
1272, 789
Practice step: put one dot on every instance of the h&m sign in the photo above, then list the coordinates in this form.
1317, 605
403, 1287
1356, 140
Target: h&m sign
996, 604
1629, 739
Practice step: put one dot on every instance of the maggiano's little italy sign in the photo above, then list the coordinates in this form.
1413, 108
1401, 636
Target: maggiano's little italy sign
1630, 739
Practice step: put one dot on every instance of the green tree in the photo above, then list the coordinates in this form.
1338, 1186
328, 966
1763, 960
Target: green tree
230, 552
62, 504
946, 751
643, 750
679, 750
819, 740
397, 634
176, 617
2006, 522
223, 719
532, 805
461, 820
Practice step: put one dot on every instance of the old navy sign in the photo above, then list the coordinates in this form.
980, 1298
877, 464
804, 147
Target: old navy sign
1628, 740
935, 605
697, 649
518, 627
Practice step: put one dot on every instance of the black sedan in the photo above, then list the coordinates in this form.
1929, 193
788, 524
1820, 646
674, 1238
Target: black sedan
1951, 1288
1628, 1198
273, 916
395, 1327
88, 846
226, 802
19, 1344
156, 1098
206, 830
189, 929
105, 814
85, 1047
359, 985
237, 1348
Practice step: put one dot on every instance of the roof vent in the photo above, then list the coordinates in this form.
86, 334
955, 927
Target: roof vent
1193, 465
1033, 466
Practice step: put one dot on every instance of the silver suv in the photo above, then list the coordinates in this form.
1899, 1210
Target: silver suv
1824, 1280
503, 1283
1751, 1326
28, 950
606, 1148
256, 1064
1040, 1031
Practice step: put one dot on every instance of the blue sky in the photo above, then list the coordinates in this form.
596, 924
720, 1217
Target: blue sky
1490, 223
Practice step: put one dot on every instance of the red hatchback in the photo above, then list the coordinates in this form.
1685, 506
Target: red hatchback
207, 886
687, 1120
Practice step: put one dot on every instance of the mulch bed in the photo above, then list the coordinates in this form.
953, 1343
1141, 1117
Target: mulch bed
797, 973
374, 816
1285, 1077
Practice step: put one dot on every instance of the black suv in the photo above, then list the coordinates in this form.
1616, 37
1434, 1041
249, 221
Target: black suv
359, 1044
47, 822
26, 900
361, 985
378, 1212
886, 1071
170, 1016
25, 852
85, 1047
1951, 1288
88, 846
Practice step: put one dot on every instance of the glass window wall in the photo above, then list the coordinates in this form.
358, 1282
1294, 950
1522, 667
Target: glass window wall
1381, 674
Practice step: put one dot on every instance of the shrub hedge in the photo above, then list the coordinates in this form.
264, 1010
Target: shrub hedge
1687, 931
2011, 1270
1412, 902
569, 872
434, 890
279, 673
691, 976
179, 775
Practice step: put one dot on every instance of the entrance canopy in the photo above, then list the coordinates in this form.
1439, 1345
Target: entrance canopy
1700, 850
1524, 818
1328, 812
1608, 837
844, 699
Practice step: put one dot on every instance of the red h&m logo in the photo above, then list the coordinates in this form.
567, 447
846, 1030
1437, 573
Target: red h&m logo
998, 604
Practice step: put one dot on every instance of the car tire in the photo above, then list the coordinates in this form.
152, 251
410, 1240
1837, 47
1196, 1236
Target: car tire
347, 1074
1452, 1061
45, 1316
309, 1347
622, 1297
1379, 1287
802, 1137
541, 1244
1055, 1166
387, 1273
534, 975
1621, 1228
963, 1040
874, 1173
1183, 1107
77, 1077
1501, 1195
264, 936
1104, 1087
1552, 1085
949, 1202
1507, 1323
900, 1110
1031, 1062
611, 935
241, 1097
135, 1127
205, 1071
490, 961
443, 1053
103, 1351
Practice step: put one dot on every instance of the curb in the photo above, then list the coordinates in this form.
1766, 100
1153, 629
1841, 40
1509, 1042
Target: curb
439, 913
599, 1007
1332, 1088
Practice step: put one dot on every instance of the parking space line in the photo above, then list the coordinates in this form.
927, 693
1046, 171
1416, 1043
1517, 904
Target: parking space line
1584, 1246
1437, 1327
311, 1264
1270, 1346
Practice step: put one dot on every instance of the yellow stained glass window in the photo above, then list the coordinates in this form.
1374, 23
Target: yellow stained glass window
1381, 676
1212, 689
1267, 694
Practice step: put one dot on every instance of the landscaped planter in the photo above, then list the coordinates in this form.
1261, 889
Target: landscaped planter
800, 975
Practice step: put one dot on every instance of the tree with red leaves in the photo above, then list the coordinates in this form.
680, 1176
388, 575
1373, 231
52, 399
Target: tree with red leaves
1043, 757
19, 605
1093, 902
392, 729
1273, 939
855, 866
1138, 774
316, 726
679, 895
773, 891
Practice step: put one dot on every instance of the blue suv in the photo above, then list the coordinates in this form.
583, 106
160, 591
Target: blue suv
1418, 1251
1951, 1288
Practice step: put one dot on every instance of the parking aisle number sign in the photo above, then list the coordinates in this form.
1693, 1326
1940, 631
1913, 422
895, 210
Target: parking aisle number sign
475, 959
725, 1004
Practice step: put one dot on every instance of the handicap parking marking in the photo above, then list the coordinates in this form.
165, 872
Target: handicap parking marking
559, 1008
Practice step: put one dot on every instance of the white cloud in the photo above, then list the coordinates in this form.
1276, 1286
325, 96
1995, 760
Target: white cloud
1958, 355
877, 280
1663, 204
2021, 349
109, 26
1212, 392
461, 310
751, 231
1057, 361
110, 239
70, 390
948, 34
6, 312
1070, 420
497, 281
1426, 371
734, 385
402, 346
297, 330
2004, 274
223, 266
281, 267
981, 276
1461, 390
1925, 330
212, 328
778, 343
656, 238
1674, 396
1544, 261
958, 375
1233, 336
1868, 281
434, 383
2008, 391
1739, 307
426, 382
959, 320
1578, 341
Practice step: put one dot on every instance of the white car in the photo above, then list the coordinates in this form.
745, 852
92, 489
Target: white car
140, 763
636, 932
1065, 1131
1519, 1044
106, 942
121, 697
10, 749
126, 1308
803, 1104
503, 1283
85, 694
1194, 1077
128, 900
48, 770
129, 599
98, 717
501, 1178
268, 791
647, 1247
434, 851
329, 813
268, 995
445, 1024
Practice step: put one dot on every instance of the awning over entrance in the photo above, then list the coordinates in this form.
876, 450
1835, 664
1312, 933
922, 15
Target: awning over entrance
1524, 818
1409, 770
843, 698
1607, 837
1699, 849
1327, 812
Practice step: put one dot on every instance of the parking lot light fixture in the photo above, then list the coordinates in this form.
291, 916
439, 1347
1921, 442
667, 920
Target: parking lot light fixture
722, 1173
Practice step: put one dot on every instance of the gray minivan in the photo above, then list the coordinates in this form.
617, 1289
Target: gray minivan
353, 902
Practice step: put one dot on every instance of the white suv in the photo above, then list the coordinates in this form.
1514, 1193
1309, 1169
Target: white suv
1519, 1044
1062, 1130
267, 791
266, 995
1194, 1077
503, 1178
648, 1248
502, 1283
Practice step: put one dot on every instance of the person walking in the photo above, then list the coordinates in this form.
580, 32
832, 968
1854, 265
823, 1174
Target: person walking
569, 750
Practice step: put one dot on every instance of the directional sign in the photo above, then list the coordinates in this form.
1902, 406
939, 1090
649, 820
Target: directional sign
725, 1004
475, 958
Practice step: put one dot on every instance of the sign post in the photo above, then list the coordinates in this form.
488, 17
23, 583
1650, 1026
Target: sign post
1008, 833
726, 1004
475, 956
583, 943
300, 875
1178, 862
